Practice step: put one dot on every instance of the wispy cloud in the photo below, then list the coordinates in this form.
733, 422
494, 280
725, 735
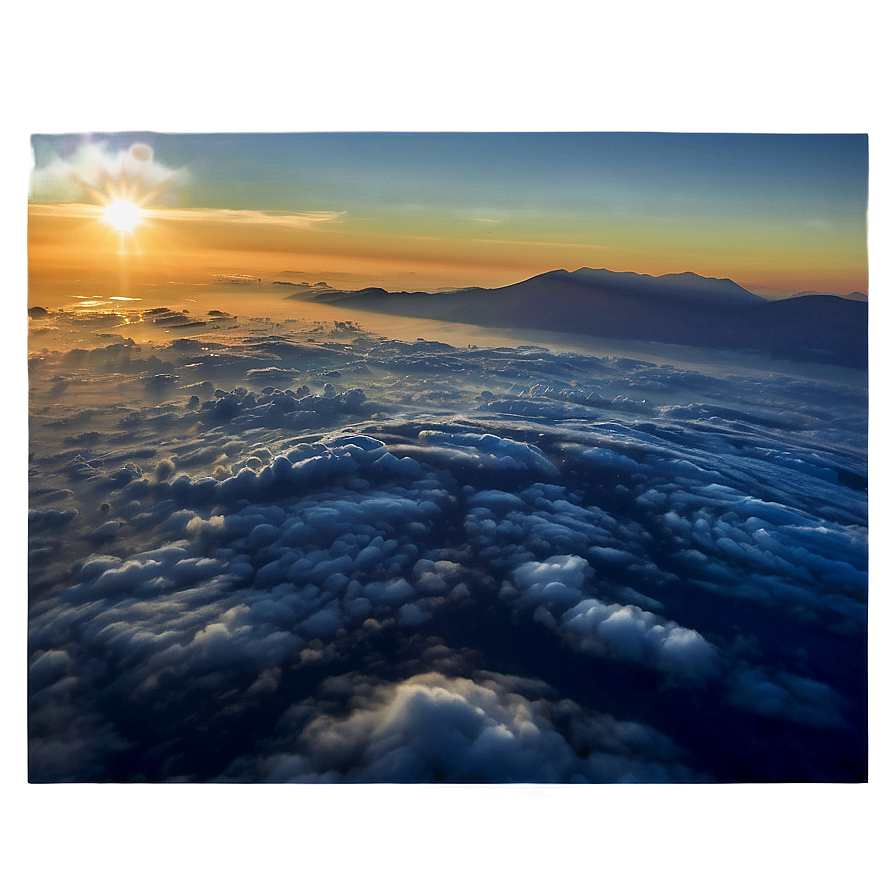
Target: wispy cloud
559, 243
298, 220
424, 237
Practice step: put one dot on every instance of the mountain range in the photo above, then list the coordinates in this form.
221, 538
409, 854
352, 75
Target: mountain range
854, 296
683, 309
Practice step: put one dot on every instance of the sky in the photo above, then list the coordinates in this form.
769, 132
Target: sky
776, 213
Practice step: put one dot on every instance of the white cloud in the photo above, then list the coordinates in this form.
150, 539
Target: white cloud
636, 635
431, 728
559, 580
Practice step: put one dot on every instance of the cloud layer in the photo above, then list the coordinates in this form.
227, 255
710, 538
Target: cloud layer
261, 553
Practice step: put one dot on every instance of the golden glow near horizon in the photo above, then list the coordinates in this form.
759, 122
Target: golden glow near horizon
99, 213
65, 244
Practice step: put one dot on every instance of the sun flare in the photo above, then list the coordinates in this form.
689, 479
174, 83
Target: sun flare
123, 216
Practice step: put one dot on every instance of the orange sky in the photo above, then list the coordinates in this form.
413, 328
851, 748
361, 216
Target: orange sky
73, 251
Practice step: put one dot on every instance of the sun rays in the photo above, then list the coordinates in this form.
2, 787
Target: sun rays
121, 186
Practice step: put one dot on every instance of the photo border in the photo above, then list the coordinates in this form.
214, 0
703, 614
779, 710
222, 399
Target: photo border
169, 68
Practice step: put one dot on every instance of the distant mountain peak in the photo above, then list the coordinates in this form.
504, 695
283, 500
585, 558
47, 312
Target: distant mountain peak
683, 308
685, 286
852, 296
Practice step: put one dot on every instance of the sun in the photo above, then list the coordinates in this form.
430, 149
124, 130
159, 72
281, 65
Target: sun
123, 215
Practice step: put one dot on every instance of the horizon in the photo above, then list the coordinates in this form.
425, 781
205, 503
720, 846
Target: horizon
772, 296
597, 527
777, 214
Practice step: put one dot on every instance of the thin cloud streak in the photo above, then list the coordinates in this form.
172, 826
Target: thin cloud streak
198, 215
503, 242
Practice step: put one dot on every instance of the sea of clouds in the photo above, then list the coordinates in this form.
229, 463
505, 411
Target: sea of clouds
291, 553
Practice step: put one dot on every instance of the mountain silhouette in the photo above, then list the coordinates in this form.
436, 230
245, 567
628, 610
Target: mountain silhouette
854, 296
684, 309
